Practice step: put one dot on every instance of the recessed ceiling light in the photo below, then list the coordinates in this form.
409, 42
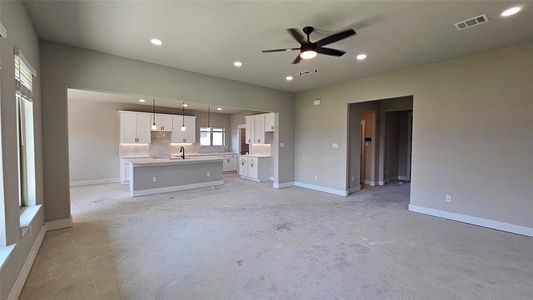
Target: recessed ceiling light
289, 78
142, 100
361, 56
511, 11
156, 42
219, 108
237, 64
185, 104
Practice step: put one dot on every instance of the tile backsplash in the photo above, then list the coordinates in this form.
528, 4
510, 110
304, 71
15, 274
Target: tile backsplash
161, 147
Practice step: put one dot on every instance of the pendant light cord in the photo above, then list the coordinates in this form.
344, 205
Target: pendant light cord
208, 115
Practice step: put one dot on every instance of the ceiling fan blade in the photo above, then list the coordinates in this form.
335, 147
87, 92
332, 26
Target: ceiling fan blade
297, 35
336, 37
329, 51
297, 59
280, 50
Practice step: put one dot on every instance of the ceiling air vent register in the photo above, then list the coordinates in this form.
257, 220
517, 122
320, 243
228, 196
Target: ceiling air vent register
471, 22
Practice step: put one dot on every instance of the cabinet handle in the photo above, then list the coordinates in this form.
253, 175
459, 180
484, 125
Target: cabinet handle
242, 163
184, 140
259, 140
272, 127
252, 165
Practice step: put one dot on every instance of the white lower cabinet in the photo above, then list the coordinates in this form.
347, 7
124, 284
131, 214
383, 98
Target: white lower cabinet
229, 164
255, 168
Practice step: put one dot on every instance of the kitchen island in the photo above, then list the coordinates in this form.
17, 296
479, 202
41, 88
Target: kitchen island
149, 176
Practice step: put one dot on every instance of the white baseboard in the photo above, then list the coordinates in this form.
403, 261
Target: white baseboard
321, 188
354, 189
381, 182
282, 185
59, 224
518, 229
94, 181
175, 188
25, 271
370, 183
404, 178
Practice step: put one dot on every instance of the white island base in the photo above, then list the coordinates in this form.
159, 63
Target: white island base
154, 176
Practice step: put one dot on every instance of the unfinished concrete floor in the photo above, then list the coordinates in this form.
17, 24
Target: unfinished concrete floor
246, 240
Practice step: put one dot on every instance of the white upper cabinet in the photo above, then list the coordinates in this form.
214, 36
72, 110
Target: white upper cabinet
250, 128
187, 136
269, 122
163, 122
144, 134
134, 128
259, 129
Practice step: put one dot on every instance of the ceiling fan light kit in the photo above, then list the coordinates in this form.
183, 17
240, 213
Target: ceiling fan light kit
308, 49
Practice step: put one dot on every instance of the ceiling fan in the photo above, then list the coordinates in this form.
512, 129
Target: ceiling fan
310, 49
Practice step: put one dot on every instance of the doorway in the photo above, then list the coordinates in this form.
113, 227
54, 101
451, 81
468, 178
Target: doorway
380, 141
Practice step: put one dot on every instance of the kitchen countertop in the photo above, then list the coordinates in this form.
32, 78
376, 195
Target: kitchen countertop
143, 162
211, 154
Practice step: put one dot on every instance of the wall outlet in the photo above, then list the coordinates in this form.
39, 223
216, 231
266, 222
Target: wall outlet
316, 102
448, 198
282, 144
208, 174
335, 146
154, 179
316, 177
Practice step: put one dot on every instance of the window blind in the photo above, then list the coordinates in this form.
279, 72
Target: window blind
24, 73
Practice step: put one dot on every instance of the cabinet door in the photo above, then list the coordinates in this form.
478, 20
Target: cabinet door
243, 166
128, 127
269, 122
252, 168
259, 129
250, 124
163, 122
177, 134
144, 134
189, 136
232, 164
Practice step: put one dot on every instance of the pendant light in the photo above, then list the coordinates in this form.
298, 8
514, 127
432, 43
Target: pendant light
154, 127
208, 117
183, 128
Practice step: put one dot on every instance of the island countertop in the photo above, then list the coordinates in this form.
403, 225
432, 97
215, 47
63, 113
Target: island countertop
141, 162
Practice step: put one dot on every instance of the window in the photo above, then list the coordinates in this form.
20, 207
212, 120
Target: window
24, 74
213, 137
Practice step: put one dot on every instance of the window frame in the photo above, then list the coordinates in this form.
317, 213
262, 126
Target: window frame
210, 132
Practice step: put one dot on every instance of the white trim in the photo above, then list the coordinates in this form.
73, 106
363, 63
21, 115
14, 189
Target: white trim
381, 182
354, 189
59, 224
169, 189
370, 183
282, 185
250, 178
403, 178
518, 229
321, 188
94, 181
25, 271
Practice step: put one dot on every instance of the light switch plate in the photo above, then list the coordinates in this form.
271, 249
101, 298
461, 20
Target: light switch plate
335, 146
282, 144
316, 102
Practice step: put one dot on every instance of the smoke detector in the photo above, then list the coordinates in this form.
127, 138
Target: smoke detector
465, 24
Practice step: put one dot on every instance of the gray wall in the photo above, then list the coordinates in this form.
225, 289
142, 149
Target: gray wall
472, 132
102, 137
20, 35
65, 66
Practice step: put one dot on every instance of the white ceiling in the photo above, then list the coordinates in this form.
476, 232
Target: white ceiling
82, 95
207, 36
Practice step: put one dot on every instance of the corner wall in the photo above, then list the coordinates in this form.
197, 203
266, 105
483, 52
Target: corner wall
472, 134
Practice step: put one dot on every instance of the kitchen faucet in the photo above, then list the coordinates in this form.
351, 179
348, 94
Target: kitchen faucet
182, 149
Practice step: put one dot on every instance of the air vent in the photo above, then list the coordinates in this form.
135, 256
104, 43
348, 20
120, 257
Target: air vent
471, 22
